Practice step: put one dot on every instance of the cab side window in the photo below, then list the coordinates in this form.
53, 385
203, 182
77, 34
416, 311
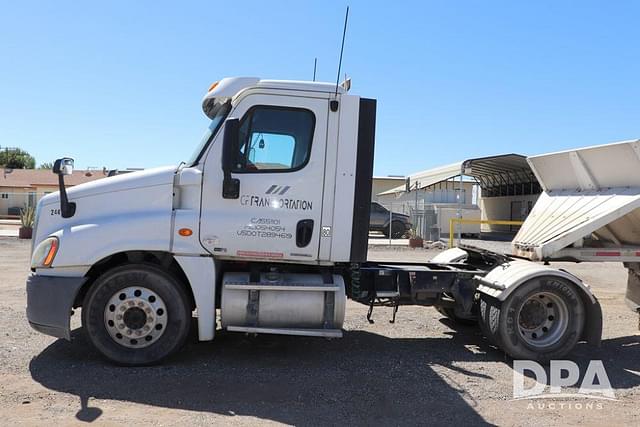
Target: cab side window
275, 139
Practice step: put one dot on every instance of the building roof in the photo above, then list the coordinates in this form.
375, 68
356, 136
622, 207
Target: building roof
31, 178
429, 177
391, 178
491, 171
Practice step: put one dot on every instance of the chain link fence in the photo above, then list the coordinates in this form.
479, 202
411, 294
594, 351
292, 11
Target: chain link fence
402, 220
428, 221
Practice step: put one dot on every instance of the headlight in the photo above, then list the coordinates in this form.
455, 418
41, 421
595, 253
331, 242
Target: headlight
45, 252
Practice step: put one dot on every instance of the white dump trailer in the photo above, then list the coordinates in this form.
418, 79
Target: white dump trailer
589, 209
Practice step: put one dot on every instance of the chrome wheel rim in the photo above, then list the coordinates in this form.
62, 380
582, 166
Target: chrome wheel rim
135, 317
543, 319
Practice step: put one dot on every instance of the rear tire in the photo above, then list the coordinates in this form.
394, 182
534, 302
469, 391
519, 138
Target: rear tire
541, 320
136, 314
488, 318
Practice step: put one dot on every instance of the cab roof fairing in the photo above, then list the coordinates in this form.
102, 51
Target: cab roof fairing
229, 87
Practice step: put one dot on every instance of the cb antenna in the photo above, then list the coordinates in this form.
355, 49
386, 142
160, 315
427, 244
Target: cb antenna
344, 33
315, 64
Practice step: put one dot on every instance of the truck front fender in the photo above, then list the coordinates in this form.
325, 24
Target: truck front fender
87, 243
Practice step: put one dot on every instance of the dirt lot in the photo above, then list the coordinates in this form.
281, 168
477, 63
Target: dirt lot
422, 370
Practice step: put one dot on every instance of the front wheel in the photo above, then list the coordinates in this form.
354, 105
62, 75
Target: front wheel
136, 314
542, 319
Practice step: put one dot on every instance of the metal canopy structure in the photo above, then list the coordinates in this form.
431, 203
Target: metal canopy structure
503, 175
428, 178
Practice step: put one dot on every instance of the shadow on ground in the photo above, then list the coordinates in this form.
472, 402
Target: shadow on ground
363, 378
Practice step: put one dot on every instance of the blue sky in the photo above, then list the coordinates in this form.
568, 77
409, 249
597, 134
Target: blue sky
119, 83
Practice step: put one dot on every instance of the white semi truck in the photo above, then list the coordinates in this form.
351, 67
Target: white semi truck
267, 227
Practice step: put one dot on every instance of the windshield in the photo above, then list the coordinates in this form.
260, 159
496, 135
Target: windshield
217, 113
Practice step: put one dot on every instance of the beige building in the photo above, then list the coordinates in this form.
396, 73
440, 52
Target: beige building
438, 186
381, 184
20, 188
439, 190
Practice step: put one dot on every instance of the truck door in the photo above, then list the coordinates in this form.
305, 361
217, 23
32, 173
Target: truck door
280, 166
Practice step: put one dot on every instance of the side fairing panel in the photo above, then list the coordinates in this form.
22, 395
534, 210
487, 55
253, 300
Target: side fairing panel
345, 175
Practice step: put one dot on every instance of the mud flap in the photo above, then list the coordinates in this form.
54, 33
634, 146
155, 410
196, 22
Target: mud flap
592, 332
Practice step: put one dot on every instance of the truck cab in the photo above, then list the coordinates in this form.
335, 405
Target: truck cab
281, 176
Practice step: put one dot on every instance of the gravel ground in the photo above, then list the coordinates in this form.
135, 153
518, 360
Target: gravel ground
422, 370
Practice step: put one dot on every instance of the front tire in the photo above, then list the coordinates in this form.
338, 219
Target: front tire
541, 320
136, 314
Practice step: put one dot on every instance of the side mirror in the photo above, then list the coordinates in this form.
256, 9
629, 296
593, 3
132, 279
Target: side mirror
63, 166
230, 185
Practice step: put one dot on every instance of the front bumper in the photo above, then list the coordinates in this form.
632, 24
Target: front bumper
50, 301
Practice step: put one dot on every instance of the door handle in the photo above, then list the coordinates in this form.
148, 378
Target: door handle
230, 188
304, 231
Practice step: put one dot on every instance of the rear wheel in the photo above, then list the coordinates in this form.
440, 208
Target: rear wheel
541, 320
136, 315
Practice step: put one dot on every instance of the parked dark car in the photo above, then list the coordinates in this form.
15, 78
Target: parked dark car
379, 221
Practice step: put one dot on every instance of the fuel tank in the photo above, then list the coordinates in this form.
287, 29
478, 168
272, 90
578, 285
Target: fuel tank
283, 300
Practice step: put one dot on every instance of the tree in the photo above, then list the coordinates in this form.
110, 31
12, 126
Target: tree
46, 165
16, 158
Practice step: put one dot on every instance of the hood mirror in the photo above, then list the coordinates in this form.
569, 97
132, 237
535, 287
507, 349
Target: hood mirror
63, 166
